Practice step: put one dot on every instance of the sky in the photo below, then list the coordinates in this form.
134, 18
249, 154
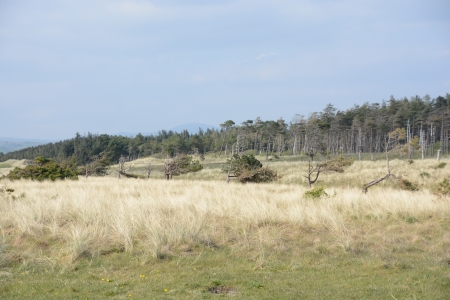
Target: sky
109, 66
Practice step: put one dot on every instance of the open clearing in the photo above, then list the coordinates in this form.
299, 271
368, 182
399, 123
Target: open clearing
197, 237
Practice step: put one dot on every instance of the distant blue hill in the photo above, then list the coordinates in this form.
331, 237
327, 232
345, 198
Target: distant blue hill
192, 128
16, 140
8, 144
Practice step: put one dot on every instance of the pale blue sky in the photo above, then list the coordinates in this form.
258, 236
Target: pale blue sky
129, 66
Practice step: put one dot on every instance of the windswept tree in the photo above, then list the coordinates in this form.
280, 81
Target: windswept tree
226, 126
181, 164
336, 165
246, 168
97, 166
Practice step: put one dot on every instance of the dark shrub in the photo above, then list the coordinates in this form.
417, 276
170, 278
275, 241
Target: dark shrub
44, 168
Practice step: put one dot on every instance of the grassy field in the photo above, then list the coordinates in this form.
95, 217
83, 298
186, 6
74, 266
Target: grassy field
197, 237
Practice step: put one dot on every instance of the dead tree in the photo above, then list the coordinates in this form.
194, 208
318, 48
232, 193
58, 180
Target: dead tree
121, 166
391, 147
122, 171
148, 170
170, 167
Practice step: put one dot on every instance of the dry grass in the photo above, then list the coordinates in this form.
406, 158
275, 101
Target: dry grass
67, 220
270, 232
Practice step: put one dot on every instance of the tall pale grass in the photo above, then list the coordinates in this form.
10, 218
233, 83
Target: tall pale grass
63, 221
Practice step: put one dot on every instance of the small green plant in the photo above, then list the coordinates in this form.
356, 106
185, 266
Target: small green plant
441, 165
9, 190
424, 175
410, 161
316, 193
411, 220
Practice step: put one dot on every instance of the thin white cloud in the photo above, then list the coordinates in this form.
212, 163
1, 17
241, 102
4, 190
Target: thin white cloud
265, 55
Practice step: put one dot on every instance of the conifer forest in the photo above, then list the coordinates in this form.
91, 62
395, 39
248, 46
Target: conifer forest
360, 130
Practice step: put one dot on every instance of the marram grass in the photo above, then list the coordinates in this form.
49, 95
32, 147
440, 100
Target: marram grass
194, 238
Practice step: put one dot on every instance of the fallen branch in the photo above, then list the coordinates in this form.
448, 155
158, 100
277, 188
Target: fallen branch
374, 182
128, 175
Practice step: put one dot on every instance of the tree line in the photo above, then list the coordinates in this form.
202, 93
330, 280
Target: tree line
358, 130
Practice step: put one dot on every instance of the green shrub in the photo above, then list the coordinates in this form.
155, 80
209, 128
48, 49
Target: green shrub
187, 164
248, 169
195, 166
443, 188
407, 185
237, 164
45, 168
181, 164
316, 193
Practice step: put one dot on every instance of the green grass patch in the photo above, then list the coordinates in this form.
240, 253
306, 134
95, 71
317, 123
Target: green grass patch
204, 275
441, 165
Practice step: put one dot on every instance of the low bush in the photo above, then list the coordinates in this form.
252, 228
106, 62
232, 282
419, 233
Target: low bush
260, 175
249, 169
181, 164
237, 164
407, 185
43, 169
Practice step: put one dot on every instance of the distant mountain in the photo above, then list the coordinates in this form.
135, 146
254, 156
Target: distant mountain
8, 144
192, 128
